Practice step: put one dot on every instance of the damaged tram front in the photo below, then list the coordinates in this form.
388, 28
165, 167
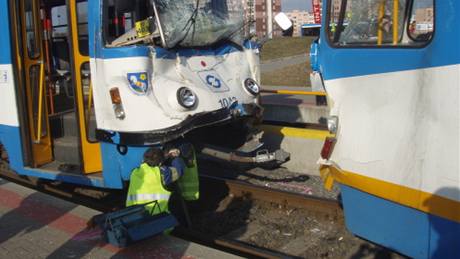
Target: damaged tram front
91, 85
170, 66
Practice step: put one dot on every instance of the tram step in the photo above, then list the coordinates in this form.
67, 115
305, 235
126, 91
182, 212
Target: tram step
66, 150
71, 127
69, 123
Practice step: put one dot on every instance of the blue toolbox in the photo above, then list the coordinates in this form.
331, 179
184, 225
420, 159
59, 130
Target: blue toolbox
134, 223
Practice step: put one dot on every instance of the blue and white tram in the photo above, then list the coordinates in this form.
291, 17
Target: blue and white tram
391, 69
87, 86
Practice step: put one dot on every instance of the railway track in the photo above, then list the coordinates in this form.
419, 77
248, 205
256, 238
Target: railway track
230, 190
106, 201
326, 207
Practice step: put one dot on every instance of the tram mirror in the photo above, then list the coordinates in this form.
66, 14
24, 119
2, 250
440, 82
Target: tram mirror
283, 21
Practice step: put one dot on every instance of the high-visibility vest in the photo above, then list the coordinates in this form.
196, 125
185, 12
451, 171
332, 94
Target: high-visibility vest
189, 182
145, 186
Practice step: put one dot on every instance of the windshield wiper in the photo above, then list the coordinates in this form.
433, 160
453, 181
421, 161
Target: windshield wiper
249, 22
339, 29
191, 22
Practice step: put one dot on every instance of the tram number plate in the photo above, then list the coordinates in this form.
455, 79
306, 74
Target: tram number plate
226, 102
3, 77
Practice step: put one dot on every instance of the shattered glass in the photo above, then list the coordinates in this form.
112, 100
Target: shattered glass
192, 23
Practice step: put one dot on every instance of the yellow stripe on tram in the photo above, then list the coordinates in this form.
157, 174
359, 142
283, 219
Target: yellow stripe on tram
296, 132
413, 198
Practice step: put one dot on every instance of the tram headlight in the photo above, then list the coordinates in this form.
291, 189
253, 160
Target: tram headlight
251, 86
186, 97
332, 124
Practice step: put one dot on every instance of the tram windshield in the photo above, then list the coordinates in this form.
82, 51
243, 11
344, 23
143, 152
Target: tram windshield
380, 22
174, 23
191, 23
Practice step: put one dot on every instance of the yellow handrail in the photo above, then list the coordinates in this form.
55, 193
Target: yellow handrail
88, 111
40, 103
395, 21
380, 25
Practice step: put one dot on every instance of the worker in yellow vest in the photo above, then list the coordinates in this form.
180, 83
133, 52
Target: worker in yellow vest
150, 180
189, 182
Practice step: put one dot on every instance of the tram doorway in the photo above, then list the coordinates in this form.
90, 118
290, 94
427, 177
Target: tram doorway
53, 71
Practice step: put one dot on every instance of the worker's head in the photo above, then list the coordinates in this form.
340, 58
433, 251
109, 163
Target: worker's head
154, 156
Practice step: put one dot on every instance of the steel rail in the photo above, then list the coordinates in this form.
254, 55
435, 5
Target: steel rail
327, 207
228, 245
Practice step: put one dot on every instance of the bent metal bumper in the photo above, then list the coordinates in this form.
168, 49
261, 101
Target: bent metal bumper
190, 123
330, 172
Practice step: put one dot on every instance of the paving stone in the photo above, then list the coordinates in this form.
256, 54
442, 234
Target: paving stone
36, 225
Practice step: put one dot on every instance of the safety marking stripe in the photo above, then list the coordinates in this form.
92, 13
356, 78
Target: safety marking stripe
413, 198
296, 132
147, 197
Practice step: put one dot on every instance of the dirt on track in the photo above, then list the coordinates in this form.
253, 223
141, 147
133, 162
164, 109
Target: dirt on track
288, 230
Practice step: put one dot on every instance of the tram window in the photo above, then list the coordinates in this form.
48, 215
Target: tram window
60, 31
60, 26
59, 22
82, 19
377, 22
90, 116
33, 47
120, 17
421, 23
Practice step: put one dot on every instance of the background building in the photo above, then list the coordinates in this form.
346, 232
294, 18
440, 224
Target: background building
264, 17
258, 16
300, 18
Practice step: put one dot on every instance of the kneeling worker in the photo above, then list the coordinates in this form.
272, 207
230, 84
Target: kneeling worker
148, 181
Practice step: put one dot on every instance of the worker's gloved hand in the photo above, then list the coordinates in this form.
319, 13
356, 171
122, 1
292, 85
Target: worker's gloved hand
187, 153
174, 152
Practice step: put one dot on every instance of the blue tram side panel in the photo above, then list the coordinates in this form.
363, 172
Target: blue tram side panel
428, 229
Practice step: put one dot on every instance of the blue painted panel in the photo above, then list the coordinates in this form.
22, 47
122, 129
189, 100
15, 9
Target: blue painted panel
123, 52
94, 26
118, 167
10, 137
444, 239
443, 50
403, 229
5, 42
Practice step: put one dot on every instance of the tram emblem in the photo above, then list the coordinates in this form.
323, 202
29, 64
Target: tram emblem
213, 81
138, 82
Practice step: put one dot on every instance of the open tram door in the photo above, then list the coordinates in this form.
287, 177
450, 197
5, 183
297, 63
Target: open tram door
55, 87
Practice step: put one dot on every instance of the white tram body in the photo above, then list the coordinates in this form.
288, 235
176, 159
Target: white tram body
394, 96
216, 77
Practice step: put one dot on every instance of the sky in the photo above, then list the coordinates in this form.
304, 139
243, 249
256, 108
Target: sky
289, 5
